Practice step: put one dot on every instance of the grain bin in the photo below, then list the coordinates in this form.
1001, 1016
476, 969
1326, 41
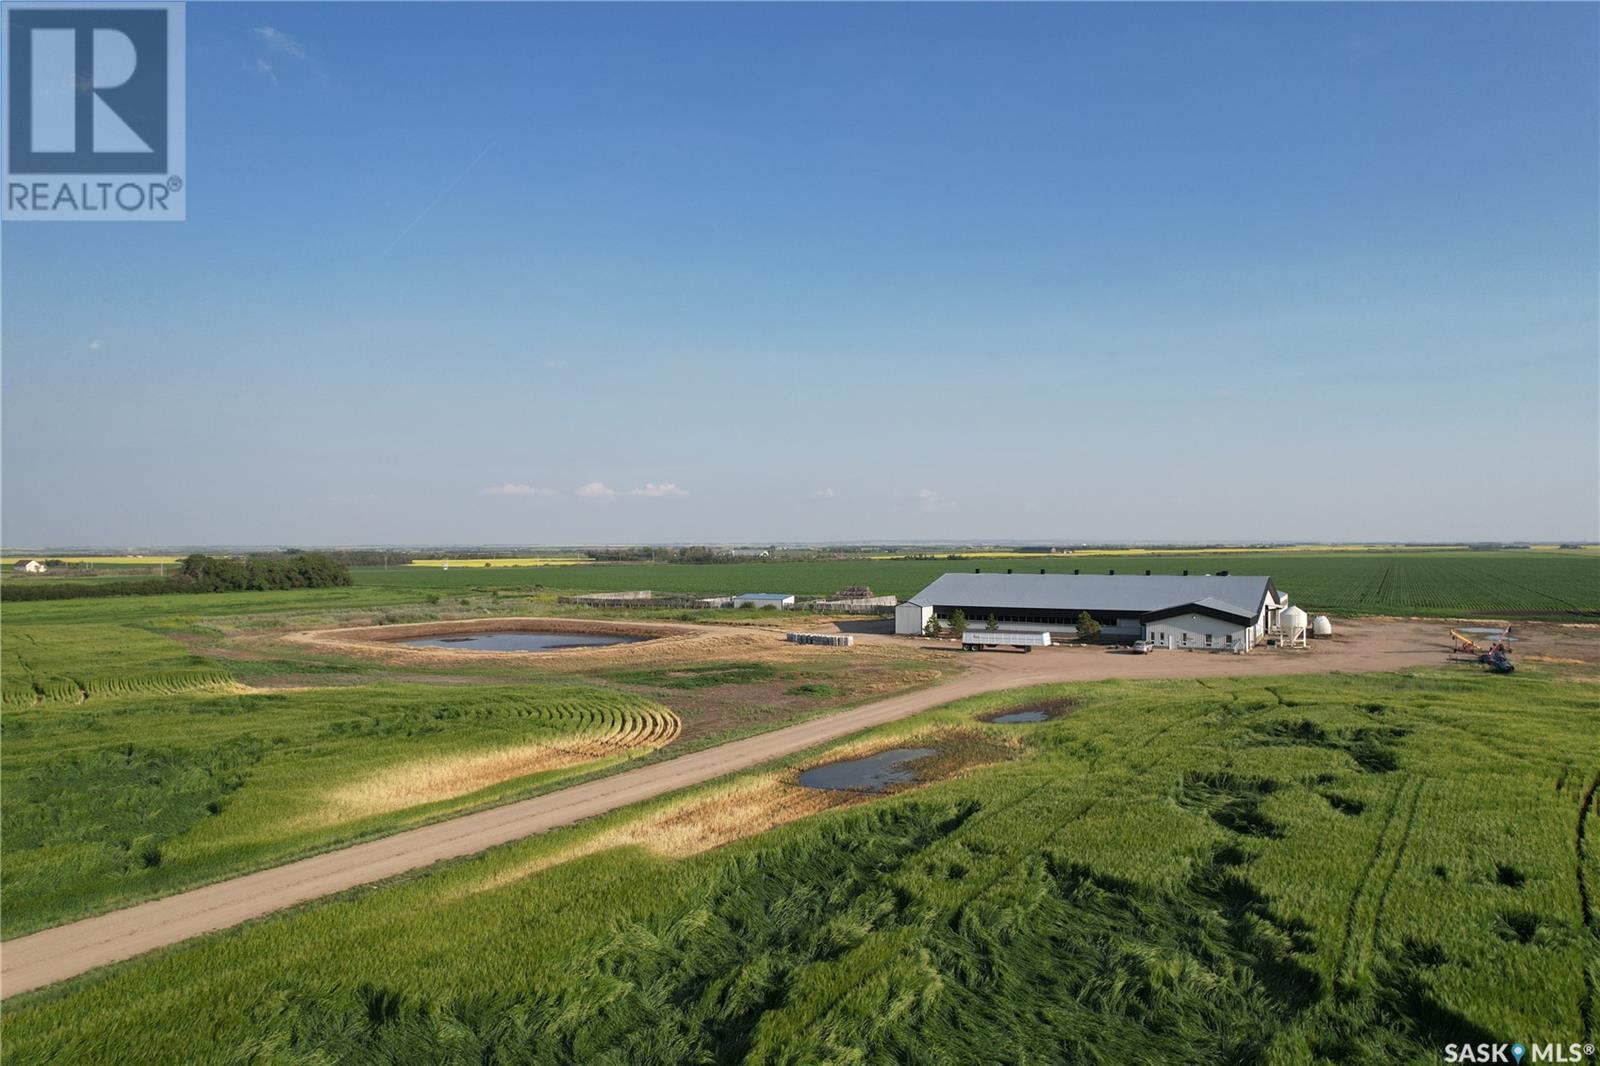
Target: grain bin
1293, 624
1321, 627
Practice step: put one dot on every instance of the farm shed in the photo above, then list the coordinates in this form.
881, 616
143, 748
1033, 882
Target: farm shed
764, 599
911, 618
30, 566
1220, 612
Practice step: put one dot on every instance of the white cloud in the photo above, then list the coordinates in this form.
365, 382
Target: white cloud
930, 500
273, 45
510, 489
653, 490
824, 494
596, 490
94, 345
279, 41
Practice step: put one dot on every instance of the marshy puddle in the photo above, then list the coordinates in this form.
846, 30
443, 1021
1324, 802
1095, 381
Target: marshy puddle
1017, 717
871, 774
520, 640
1038, 712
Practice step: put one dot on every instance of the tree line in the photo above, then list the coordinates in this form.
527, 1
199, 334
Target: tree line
202, 573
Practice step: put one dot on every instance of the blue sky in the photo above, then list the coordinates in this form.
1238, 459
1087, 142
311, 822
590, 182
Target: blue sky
553, 274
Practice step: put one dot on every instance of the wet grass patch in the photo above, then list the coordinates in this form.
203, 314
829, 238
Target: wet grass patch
1037, 711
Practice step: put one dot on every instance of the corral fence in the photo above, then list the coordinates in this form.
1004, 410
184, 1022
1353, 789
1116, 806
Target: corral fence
675, 602
883, 605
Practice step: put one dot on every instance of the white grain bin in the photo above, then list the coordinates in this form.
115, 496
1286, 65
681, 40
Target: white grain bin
1321, 627
1293, 624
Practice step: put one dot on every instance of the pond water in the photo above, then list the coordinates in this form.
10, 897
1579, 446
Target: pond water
872, 774
519, 640
1017, 717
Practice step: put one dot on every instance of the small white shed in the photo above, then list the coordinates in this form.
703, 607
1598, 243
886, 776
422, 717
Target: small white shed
764, 599
910, 619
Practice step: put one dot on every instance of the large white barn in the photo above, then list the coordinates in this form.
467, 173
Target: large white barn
1221, 612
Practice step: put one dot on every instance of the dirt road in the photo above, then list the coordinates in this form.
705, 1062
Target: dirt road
55, 954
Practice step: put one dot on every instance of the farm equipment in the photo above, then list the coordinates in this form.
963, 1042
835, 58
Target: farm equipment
1491, 647
1497, 662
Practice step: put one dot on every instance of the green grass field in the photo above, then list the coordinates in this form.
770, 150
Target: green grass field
1356, 868
134, 764
1555, 585
133, 797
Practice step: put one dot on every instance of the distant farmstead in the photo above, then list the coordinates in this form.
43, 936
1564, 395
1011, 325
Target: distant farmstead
1221, 612
30, 566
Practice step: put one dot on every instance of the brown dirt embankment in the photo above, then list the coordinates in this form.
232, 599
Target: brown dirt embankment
664, 642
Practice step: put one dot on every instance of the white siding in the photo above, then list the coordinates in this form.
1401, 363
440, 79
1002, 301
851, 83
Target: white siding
1191, 631
910, 618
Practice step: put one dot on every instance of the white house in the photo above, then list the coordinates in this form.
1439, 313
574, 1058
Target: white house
30, 566
764, 599
1220, 612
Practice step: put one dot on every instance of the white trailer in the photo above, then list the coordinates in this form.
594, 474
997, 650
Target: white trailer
978, 639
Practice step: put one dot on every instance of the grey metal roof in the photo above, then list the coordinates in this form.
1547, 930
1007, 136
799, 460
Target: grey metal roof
1126, 594
764, 596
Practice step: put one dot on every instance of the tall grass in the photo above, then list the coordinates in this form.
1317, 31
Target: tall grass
1355, 868
133, 797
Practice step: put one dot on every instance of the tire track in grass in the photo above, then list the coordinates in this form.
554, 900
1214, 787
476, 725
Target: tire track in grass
1399, 857
1025, 854
1586, 905
1351, 912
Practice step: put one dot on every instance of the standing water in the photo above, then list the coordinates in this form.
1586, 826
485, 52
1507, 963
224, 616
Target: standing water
872, 774
520, 640
1017, 717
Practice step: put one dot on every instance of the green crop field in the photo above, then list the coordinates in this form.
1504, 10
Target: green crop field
1554, 585
135, 763
133, 767
131, 797
1351, 868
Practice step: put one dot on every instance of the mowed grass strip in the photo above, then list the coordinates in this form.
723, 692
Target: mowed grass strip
1356, 867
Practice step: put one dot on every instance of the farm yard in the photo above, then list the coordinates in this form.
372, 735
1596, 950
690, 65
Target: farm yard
1351, 867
